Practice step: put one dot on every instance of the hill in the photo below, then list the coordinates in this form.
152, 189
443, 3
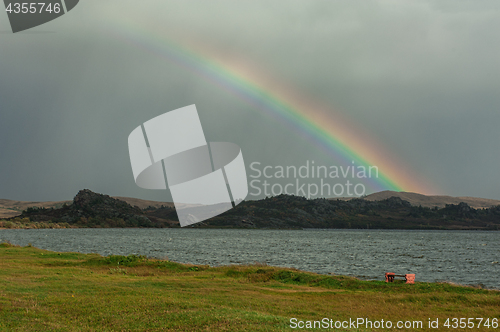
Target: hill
433, 201
90, 209
286, 211
12, 208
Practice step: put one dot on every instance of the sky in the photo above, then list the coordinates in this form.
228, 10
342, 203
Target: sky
415, 82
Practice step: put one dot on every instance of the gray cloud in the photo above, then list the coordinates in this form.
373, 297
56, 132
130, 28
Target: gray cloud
421, 77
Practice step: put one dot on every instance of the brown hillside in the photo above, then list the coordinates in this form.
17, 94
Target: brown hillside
434, 201
10, 208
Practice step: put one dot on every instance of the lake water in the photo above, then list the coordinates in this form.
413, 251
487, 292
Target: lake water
469, 258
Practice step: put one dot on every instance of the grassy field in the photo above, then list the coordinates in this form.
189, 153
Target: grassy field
42, 290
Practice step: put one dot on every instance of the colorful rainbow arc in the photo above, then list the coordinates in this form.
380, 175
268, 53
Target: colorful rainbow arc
335, 138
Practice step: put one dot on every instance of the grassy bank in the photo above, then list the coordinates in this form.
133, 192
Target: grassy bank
42, 290
25, 223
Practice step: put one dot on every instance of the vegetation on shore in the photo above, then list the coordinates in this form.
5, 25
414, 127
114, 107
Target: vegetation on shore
26, 223
43, 290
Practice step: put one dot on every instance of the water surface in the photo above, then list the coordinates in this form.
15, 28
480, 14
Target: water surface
469, 258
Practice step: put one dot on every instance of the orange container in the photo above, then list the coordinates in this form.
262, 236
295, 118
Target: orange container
410, 278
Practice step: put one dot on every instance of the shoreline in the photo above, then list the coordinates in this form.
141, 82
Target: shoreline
7, 243
44, 290
269, 228
141, 258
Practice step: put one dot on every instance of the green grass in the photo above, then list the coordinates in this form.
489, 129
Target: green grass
42, 290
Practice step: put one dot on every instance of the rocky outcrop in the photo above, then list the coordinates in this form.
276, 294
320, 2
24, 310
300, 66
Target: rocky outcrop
92, 209
287, 211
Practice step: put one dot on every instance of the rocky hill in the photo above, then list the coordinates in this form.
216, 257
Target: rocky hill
90, 209
12, 208
430, 201
286, 211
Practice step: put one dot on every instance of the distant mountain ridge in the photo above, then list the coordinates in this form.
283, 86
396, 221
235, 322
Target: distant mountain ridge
433, 201
89, 209
12, 208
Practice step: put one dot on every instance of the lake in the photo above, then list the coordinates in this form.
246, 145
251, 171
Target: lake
469, 258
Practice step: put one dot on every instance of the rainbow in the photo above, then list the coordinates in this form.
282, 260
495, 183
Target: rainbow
326, 128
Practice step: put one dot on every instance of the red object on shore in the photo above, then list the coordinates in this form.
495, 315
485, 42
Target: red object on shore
410, 278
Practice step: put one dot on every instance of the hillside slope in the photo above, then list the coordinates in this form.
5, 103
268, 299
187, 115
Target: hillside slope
434, 201
89, 209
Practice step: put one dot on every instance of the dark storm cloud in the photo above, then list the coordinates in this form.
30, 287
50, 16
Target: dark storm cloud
422, 77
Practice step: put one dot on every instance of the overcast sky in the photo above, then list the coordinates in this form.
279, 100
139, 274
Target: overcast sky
420, 77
